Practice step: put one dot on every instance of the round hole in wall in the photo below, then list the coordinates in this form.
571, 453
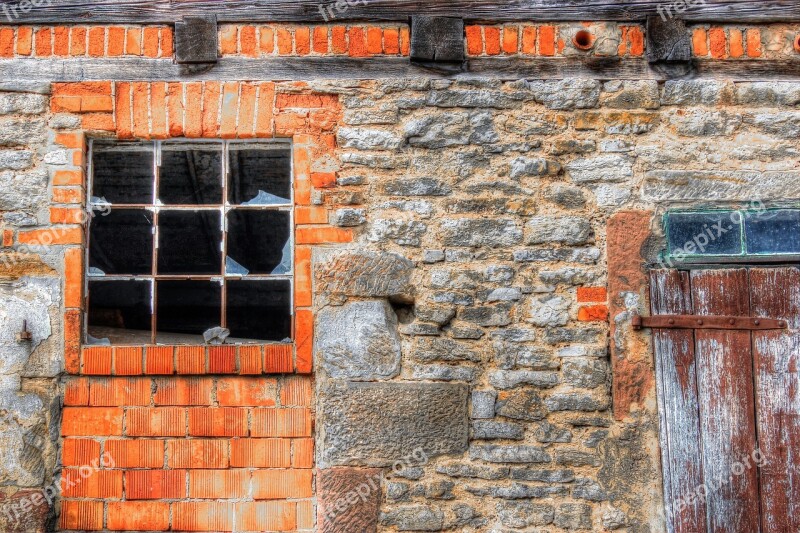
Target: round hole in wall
797, 43
583, 40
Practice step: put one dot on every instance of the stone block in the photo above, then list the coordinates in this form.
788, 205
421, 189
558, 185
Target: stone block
349, 499
566, 94
480, 232
414, 518
26, 511
568, 230
524, 514
364, 274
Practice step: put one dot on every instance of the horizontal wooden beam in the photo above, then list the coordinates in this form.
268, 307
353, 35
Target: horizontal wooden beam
258, 11
32, 71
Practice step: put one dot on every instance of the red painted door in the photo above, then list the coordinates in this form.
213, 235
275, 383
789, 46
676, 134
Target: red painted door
729, 402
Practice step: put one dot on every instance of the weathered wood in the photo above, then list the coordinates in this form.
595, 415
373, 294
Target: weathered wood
676, 385
168, 11
437, 38
315, 68
726, 400
196, 40
777, 366
668, 40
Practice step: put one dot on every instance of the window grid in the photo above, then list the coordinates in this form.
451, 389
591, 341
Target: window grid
226, 207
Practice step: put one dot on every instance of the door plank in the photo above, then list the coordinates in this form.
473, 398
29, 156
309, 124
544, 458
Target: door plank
725, 393
676, 378
775, 293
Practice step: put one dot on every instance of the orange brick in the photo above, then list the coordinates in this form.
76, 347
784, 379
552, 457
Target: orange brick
139, 453
250, 360
70, 140
284, 41
155, 422
79, 156
167, 42
278, 359
280, 484
81, 514
116, 41
492, 40
322, 235
198, 453
91, 421
7, 42
261, 453
97, 104
311, 215
339, 40
266, 40
304, 101
120, 391
204, 516
405, 41
753, 42
123, 111
211, 96
391, 41
190, 359
302, 276
296, 391
322, 180
547, 40
717, 38
305, 514
128, 361
247, 111
736, 43
66, 215
80, 452
24, 40
700, 42
230, 104
46, 237
302, 41
141, 110
155, 484
183, 391
97, 41
281, 423
222, 359
133, 41
67, 195
266, 516
213, 484
636, 37
150, 41
43, 40
73, 277
474, 40
358, 42
69, 104
175, 109
98, 484
374, 40
97, 361
242, 391
510, 39
158, 111
72, 341
529, 40
227, 39
320, 39
83, 89
76, 392
593, 313
248, 43
303, 453
304, 340
193, 113
217, 422
138, 516
266, 102
159, 360
592, 294
97, 122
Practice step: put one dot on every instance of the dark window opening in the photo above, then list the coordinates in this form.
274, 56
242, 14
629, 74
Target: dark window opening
192, 242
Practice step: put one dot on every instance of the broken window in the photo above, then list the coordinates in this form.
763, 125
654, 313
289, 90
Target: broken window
190, 239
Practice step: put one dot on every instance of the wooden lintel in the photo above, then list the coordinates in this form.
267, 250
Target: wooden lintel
260, 11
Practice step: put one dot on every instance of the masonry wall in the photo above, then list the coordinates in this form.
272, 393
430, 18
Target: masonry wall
468, 257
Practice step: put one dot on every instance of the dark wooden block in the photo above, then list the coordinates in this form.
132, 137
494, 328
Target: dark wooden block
196, 40
437, 38
668, 40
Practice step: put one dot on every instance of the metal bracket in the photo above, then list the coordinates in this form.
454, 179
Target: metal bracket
706, 322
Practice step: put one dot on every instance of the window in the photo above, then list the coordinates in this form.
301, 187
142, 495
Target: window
188, 240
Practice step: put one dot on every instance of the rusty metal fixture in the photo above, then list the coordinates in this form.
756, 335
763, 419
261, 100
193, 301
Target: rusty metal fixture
706, 322
797, 43
24, 335
583, 40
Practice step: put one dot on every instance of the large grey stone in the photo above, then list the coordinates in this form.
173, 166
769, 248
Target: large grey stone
566, 94
703, 123
574, 516
610, 167
549, 311
358, 341
21, 132
15, 159
696, 92
365, 274
403, 232
676, 185
414, 518
366, 139
375, 424
639, 94
22, 103
508, 379
509, 454
480, 232
768, 93
566, 230
521, 404
414, 187
451, 129
525, 167
568, 255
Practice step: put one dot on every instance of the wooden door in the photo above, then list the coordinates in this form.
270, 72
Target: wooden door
729, 402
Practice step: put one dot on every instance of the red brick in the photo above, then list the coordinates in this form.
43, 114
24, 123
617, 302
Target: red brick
123, 111
310, 215
302, 41
81, 515
529, 40
138, 516
303, 453
183, 391
8, 238
736, 43
285, 46
405, 41
247, 112
116, 41
190, 359
76, 391
198, 453
68, 177
97, 484
339, 40
128, 361
264, 117
753, 42
510, 39
150, 42
155, 422
492, 40
304, 340
250, 360
222, 359
281, 423
7, 42
213, 484
305, 514
217, 422
302, 274
593, 313
358, 42
474, 40
278, 358
80, 452
97, 41
261, 453
320, 39
46, 237
155, 484
547, 40
266, 40
72, 341
204, 516
230, 104
44, 44
175, 109
227, 39
636, 36
193, 113
167, 42
141, 110
158, 111
83, 88
718, 41
242, 391
120, 391
133, 41
24, 40
323, 235
77, 41
139, 453
65, 215
592, 294
281, 484
391, 41
266, 516
247, 41
159, 360
90, 421
67, 195
374, 40
296, 391
97, 361
700, 42
97, 122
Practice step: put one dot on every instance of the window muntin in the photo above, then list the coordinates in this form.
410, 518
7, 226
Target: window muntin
189, 236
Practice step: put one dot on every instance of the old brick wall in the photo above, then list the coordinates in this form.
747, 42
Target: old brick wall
476, 250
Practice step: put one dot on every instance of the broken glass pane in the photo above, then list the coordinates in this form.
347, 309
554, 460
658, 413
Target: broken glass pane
186, 309
711, 233
260, 174
256, 239
259, 310
191, 174
121, 242
775, 231
120, 311
189, 242
123, 173
233, 268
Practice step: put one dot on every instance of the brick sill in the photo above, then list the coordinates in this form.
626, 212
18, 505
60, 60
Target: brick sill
245, 359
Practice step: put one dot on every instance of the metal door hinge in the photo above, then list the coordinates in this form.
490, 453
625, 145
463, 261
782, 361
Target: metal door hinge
706, 322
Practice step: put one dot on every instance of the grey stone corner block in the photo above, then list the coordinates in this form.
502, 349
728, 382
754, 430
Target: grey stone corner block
376, 424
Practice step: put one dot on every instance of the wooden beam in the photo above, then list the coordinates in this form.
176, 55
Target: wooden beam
33, 71
255, 11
